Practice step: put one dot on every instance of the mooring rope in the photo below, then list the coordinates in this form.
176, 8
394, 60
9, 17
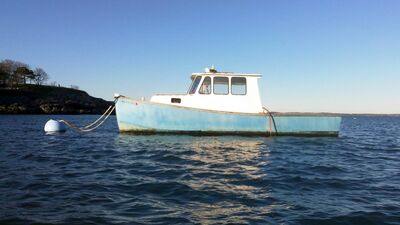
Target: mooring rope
271, 117
94, 124
88, 126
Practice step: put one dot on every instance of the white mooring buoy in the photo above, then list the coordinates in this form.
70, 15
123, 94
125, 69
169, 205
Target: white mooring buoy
54, 126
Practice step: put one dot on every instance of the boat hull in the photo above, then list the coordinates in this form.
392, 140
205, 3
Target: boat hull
148, 117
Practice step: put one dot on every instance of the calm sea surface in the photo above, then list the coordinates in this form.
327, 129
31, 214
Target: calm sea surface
104, 177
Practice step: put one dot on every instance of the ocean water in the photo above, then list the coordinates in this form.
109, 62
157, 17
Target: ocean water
105, 177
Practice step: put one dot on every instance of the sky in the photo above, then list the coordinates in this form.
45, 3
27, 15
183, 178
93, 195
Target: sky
315, 56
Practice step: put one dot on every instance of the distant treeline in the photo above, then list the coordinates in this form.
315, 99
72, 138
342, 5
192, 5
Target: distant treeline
14, 73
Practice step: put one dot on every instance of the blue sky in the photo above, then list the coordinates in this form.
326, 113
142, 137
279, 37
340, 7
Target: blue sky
331, 56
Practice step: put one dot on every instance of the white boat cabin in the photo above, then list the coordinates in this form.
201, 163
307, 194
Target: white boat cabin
220, 91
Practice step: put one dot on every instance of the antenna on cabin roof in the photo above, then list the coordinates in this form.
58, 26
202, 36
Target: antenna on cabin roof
210, 70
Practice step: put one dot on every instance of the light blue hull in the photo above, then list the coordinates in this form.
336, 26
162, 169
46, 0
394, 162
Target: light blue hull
144, 117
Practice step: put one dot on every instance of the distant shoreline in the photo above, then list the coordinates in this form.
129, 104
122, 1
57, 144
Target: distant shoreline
31, 99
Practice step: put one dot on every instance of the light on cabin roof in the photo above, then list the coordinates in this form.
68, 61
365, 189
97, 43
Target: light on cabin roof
210, 70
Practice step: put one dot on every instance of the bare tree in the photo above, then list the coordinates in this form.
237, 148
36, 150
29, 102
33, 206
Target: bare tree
4, 75
10, 75
40, 76
13, 65
14, 73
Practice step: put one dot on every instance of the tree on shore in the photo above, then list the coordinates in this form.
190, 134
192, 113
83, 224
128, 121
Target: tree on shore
3, 75
14, 73
8, 72
22, 73
40, 76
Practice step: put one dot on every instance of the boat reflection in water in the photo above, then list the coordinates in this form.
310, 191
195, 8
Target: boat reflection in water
204, 179
231, 178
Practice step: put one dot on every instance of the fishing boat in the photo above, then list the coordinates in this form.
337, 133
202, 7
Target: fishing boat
217, 103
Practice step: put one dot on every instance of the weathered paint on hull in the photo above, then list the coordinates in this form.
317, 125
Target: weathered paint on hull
147, 117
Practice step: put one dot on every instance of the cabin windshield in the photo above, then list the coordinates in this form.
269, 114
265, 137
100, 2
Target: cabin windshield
205, 87
195, 83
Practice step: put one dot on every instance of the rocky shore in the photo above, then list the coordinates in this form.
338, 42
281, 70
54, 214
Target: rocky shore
35, 99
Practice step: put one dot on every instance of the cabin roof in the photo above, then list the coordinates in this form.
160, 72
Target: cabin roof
228, 74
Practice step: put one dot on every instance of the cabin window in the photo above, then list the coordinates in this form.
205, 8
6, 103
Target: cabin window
238, 86
205, 87
195, 84
221, 85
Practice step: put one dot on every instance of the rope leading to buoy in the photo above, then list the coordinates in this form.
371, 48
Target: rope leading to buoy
109, 108
271, 119
97, 123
